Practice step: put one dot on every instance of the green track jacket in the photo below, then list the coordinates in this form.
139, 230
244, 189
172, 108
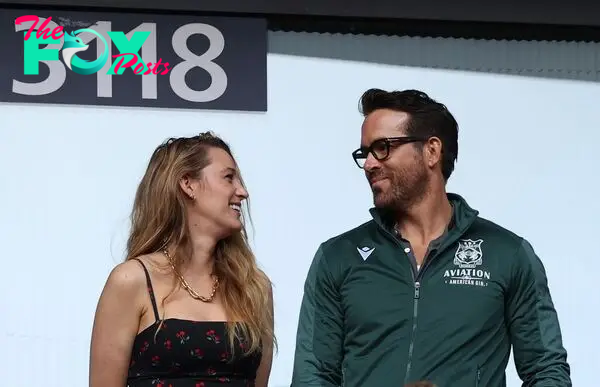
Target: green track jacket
369, 318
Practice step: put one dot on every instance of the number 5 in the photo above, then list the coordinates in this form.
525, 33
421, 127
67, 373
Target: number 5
57, 73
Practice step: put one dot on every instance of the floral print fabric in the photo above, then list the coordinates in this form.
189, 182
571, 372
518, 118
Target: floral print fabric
184, 353
189, 354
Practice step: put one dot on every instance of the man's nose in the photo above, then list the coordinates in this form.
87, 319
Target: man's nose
371, 163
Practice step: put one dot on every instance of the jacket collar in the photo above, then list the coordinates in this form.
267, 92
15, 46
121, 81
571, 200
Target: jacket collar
462, 216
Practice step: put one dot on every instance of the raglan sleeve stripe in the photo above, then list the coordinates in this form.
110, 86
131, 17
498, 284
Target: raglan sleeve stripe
318, 353
540, 357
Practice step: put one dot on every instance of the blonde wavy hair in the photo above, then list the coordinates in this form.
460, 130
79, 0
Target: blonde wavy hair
159, 219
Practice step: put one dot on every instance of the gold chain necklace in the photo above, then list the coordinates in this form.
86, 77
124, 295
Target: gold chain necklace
187, 287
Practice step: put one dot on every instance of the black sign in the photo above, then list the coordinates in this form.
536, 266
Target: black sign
192, 62
550, 12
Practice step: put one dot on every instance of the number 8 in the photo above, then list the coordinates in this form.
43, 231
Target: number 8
205, 61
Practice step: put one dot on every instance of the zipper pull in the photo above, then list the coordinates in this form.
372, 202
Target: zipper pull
417, 290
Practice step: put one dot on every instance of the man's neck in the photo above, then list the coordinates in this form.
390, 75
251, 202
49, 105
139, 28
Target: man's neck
426, 220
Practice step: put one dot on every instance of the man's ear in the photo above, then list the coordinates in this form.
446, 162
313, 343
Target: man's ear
433, 151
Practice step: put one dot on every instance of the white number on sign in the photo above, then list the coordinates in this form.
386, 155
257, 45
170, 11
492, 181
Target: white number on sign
57, 75
205, 61
148, 52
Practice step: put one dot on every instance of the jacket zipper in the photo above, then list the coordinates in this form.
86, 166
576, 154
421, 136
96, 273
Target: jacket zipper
478, 380
411, 346
416, 296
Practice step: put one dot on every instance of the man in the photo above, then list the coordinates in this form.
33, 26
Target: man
426, 290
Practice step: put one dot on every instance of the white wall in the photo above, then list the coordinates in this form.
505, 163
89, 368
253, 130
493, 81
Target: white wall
527, 160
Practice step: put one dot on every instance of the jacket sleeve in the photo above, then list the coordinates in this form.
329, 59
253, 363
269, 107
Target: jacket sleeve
318, 354
540, 358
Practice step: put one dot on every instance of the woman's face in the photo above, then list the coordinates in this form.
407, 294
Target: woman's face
218, 195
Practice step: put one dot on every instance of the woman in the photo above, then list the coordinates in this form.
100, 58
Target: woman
189, 306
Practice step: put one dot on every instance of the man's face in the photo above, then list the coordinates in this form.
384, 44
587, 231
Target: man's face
401, 179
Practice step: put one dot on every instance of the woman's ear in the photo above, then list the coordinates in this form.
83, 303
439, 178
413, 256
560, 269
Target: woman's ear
187, 186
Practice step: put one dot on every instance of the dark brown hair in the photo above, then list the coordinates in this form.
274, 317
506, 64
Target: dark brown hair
428, 118
422, 383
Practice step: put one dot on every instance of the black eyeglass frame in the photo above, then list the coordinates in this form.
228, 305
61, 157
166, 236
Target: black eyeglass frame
363, 152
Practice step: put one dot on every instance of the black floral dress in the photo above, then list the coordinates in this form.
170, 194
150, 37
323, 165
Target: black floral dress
186, 353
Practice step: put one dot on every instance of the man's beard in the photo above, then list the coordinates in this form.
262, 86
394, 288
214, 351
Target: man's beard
406, 188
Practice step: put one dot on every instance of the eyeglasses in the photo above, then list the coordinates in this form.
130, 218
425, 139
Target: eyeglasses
380, 149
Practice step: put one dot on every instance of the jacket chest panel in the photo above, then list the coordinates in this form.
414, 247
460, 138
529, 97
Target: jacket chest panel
460, 300
467, 293
376, 295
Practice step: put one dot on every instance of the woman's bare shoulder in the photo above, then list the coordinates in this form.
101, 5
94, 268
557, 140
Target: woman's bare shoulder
129, 276
155, 263
126, 277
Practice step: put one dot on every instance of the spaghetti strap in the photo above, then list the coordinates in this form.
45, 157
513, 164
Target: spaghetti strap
150, 290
